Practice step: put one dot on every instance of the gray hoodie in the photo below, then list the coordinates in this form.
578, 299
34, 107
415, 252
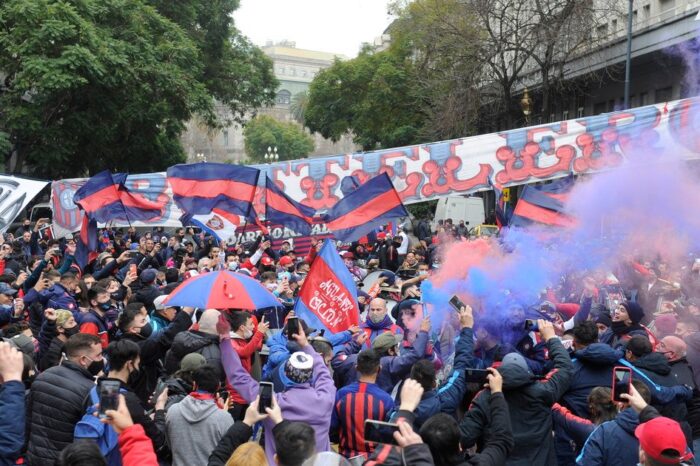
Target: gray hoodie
194, 429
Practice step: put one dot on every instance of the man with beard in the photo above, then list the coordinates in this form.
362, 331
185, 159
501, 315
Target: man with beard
378, 321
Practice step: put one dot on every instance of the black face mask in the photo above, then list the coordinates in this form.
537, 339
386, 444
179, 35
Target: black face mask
69, 332
28, 381
104, 307
146, 330
133, 376
96, 367
618, 327
118, 295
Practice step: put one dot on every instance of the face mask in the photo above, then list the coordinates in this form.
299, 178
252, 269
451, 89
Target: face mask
118, 295
271, 286
618, 327
422, 272
146, 330
69, 332
96, 367
133, 376
104, 306
233, 266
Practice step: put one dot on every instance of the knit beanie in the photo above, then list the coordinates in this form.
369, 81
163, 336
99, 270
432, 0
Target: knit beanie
604, 319
635, 311
299, 367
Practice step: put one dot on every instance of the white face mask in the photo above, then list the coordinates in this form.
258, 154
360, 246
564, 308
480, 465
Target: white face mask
233, 266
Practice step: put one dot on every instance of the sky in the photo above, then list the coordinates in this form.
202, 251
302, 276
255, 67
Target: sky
336, 26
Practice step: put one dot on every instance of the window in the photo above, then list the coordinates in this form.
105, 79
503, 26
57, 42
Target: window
565, 115
602, 30
552, 118
579, 112
225, 138
646, 11
664, 95
284, 97
666, 4
614, 25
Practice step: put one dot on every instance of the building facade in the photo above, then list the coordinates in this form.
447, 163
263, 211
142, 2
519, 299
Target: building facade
295, 69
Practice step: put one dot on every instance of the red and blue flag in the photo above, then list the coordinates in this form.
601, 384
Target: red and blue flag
87, 242
281, 209
199, 188
328, 298
370, 205
105, 198
502, 216
544, 205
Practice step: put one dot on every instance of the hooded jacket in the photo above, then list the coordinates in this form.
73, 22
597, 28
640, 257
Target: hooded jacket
374, 330
194, 341
308, 402
12, 414
656, 367
529, 404
612, 443
593, 367
683, 374
194, 428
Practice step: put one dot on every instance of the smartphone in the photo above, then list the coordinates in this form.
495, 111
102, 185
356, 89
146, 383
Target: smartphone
456, 303
380, 432
160, 386
622, 379
132, 269
283, 275
531, 325
109, 395
476, 376
266, 394
292, 326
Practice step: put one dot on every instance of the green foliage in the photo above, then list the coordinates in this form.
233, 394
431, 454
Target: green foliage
373, 96
263, 131
96, 84
298, 106
422, 209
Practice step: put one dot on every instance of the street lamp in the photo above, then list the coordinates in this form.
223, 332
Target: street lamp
272, 154
526, 105
628, 59
200, 157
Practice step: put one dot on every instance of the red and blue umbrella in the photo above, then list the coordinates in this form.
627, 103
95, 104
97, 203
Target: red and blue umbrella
222, 290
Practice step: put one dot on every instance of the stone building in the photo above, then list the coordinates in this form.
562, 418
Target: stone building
295, 69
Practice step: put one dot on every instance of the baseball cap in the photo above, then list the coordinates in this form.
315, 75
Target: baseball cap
23, 343
516, 360
159, 302
148, 275
286, 261
192, 361
663, 440
266, 261
348, 255
7, 289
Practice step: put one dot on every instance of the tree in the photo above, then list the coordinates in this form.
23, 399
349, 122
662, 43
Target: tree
109, 83
372, 96
264, 131
298, 106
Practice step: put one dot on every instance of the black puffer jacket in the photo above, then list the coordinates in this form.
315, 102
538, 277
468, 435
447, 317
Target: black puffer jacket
529, 403
57, 401
194, 341
658, 371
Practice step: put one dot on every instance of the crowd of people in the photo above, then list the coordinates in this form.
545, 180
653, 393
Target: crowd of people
476, 388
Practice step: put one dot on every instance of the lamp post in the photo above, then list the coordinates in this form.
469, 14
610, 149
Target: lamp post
628, 59
272, 154
200, 157
526, 105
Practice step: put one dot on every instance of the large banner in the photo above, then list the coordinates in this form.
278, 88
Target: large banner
15, 194
460, 166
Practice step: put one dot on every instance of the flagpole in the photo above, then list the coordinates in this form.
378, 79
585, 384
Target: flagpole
250, 206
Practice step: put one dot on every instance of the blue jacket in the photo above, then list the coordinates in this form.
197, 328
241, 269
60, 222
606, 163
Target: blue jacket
57, 297
393, 368
12, 412
447, 398
593, 367
281, 348
612, 443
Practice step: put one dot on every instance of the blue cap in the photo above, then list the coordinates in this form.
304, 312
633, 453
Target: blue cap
7, 289
148, 275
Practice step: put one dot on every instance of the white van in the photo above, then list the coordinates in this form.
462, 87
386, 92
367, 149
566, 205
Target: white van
469, 209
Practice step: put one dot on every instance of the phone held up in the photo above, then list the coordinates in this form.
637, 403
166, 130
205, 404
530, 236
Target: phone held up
266, 394
622, 379
456, 303
109, 395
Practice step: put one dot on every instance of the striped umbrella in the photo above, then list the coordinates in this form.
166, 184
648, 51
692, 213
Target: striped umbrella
222, 290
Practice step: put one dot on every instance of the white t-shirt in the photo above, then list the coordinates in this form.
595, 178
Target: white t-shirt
403, 249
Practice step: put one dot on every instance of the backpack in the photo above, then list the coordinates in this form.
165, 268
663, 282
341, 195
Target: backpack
90, 427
